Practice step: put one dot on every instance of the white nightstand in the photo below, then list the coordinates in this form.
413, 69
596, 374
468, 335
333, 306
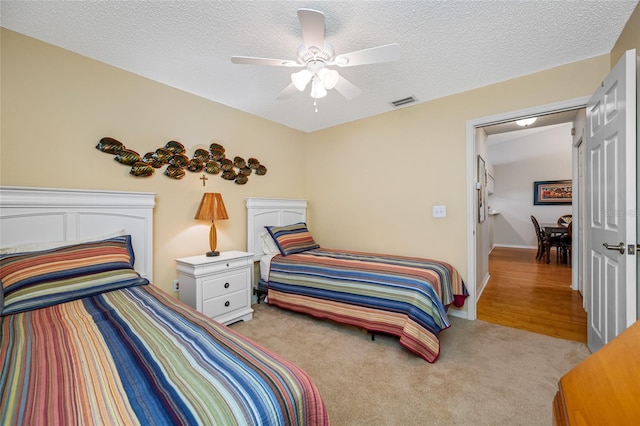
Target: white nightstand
220, 287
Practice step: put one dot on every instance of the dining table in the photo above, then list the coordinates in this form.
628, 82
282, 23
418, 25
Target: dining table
553, 229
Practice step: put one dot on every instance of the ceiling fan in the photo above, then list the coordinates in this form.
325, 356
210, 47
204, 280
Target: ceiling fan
315, 55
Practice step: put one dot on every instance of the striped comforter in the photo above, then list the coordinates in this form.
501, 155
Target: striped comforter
138, 356
402, 296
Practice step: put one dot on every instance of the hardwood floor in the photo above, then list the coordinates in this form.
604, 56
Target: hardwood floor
531, 295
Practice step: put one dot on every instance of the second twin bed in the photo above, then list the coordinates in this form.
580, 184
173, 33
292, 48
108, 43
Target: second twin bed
404, 296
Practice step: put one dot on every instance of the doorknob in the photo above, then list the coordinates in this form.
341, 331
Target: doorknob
619, 247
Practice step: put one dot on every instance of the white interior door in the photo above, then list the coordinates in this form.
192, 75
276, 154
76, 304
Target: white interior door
611, 204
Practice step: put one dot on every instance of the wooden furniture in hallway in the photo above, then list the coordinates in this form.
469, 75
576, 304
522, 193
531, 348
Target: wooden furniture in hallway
529, 295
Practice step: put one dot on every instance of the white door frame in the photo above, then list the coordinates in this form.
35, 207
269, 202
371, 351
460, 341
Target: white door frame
471, 190
578, 268
578, 264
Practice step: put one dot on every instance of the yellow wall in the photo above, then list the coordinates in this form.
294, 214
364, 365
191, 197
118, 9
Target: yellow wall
56, 105
372, 183
629, 38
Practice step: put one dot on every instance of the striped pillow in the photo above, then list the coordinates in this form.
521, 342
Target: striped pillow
291, 239
43, 278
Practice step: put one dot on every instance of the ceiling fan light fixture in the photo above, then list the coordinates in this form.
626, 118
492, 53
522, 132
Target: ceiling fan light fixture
329, 78
526, 121
317, 88
300, 79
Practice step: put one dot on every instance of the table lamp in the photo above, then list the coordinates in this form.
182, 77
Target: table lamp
212, 208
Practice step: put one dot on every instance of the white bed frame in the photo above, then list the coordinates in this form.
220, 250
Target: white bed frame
37, 215
263, 212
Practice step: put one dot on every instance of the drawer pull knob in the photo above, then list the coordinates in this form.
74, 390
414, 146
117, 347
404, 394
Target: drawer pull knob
226, 285
227, 265
226, 304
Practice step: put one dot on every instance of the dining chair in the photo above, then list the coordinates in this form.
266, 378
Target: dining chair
565, 242
540, 236
546, 242
565, 220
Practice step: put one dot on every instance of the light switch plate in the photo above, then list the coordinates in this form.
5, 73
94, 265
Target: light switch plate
439, 211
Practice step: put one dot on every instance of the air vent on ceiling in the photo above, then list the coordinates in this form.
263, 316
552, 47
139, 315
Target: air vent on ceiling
405, 101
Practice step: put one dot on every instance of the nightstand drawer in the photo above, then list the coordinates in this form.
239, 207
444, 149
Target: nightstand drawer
224, 284
223, 305
225, 265
203, 269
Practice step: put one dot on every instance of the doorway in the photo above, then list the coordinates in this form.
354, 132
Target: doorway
477, 277
524, 292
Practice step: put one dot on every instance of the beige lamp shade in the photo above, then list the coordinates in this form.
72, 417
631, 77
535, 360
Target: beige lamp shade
212, 208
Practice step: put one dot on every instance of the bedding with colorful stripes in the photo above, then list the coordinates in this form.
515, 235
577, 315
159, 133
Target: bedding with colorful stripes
138, 356
404, 296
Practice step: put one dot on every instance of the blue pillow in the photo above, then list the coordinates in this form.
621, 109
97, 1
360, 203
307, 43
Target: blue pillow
37, 279
294, 238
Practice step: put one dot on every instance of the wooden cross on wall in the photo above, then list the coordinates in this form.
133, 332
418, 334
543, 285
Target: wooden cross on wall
204, 179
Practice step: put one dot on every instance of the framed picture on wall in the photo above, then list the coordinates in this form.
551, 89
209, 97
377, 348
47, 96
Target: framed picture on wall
481, 184
552, 192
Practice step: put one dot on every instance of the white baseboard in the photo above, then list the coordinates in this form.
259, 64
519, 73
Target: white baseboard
458, 313
482, 287
515, 246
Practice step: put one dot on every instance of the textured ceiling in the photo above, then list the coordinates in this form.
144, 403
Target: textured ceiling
446, 47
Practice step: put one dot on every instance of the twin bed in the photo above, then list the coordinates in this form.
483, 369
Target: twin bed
404, 296
85, 338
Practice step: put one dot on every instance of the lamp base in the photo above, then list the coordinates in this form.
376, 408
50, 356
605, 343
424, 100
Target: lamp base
213, 253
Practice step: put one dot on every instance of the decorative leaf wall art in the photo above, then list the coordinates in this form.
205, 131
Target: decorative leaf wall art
172, 154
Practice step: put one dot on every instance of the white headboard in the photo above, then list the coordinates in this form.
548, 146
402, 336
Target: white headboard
263, 212
37, 215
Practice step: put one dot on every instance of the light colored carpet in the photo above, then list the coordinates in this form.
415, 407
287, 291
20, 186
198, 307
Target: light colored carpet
486, 374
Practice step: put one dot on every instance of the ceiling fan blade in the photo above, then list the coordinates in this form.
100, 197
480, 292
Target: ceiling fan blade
347, 88
312, 25
264, 61
288, 92
372, 55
